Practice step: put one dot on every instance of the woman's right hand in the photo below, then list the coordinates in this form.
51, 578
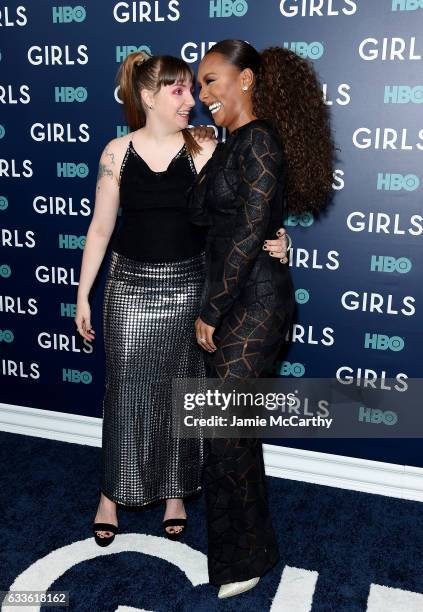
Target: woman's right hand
83, 320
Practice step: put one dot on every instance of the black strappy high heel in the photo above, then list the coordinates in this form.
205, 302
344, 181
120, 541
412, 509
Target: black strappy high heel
105, 540
175, 522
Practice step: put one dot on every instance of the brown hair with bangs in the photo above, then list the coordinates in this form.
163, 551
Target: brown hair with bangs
140, 70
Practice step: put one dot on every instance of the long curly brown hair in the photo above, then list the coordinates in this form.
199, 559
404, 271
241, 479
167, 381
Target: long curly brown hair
287, 91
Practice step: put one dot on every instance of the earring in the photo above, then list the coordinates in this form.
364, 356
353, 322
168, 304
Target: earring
244, 88
150, 107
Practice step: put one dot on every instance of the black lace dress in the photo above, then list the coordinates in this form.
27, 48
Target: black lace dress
249, 299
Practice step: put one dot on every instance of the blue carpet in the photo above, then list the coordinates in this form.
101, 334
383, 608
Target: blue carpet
350, 540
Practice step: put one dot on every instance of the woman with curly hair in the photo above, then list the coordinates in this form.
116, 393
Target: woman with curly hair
279, 150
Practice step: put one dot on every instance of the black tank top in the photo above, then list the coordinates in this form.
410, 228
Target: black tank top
155, 224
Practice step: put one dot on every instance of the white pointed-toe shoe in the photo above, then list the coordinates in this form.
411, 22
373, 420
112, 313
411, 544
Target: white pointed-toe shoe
235, 588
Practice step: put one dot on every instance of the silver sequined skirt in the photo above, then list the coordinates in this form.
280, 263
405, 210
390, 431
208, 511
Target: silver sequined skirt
148, 323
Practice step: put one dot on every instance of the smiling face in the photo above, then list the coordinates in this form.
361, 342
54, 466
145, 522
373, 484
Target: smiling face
171, 104
222, 91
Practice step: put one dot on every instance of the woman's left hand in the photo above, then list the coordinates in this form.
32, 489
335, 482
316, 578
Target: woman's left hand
279, 247
204, 334
202, 133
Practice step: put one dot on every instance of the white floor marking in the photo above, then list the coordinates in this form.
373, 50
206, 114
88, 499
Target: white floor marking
295, 591
43, 572
131, 609
294, 594
386, 599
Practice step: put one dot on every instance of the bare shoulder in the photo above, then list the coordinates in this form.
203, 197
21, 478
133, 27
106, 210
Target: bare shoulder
208, 146
207, 149
116, 147
113, 154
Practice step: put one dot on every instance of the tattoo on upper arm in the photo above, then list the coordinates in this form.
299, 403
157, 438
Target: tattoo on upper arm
103, 170
112, 157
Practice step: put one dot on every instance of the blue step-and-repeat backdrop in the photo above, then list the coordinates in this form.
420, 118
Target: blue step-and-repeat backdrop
356, 269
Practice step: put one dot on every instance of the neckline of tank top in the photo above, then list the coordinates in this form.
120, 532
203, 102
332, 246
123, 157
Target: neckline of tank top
178, 154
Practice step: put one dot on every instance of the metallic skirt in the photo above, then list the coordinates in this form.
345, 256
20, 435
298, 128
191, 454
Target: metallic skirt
148, 324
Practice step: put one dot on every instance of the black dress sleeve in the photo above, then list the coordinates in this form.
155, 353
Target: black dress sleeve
260, 165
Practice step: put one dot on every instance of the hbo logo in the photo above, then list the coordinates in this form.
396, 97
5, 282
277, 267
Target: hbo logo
75, 376
406, 5
305, 220
70, 94
386, 263
402, 94
227, 8
313, 50
396, 182
71, 170
5, 271
67, 14
122, 51
69, 241
302, 296
291, 369
6, 335
374, 415
380, 342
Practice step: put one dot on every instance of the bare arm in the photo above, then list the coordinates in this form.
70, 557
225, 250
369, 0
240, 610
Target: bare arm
99, 232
